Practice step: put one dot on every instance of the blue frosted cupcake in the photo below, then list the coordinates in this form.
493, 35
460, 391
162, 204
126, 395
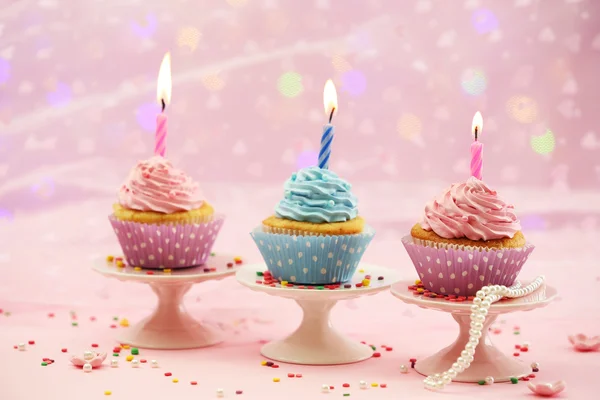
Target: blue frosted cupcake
316, 236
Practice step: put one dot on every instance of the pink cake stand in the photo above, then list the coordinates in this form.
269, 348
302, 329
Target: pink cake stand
489, 361
315, 341
170, 326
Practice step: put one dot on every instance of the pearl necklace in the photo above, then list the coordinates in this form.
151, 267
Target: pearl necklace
479, 310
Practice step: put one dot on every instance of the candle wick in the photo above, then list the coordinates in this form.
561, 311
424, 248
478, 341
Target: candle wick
476, 129
164, 105
331, 115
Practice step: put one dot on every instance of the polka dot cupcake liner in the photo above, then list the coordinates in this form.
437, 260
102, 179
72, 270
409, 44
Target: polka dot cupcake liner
463, 270
312, 260
171, 246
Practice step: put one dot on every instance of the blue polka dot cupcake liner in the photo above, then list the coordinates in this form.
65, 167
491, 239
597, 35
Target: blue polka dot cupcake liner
463, 270
312, 259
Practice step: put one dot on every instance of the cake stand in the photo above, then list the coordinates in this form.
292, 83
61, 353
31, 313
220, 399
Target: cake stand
488, 361
170, 326
315, 341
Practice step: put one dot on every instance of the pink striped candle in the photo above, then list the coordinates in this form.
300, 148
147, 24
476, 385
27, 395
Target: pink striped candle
163, 95
477, 147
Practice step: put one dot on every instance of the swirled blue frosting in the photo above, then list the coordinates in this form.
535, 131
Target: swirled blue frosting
317, 195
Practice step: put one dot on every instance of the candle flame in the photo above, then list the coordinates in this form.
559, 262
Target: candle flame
163, 89
477, 124
330, 98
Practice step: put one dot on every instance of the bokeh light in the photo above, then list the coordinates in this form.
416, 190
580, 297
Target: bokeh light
543, 144
6, 215
237, 3
145, 116
188, 37
409, 126
484, 21
290, 84
533, 222
354, 82
4, 70
44, 188
147, 30
60, 96
307, 158
473, 81
522, 109
340, 63
213, 82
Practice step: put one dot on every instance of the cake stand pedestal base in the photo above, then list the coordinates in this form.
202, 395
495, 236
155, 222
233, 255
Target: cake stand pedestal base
170, 327
488, 360
315, 341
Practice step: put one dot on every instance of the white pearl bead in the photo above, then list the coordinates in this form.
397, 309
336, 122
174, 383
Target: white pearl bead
489, 380
464, 354
485, 290
486, 303
403, 369
474, 341
452, 373
475, 308
456, 367
470, 347
469, 358
477, 325
475, 333
461, 361
362, 384
154, 364
325, 388
438, 385
114, 363
135, 363
220, 393
87, 367
479, 318
21, 347
88, 355
483, 311
446, 380
477, 301
480, 294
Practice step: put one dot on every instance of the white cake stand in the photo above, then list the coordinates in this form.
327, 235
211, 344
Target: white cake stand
315, 341
489, 361
170, 326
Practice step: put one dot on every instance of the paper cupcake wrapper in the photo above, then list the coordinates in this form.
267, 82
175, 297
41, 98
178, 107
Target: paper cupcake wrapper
166, 245
463, 270
312, 260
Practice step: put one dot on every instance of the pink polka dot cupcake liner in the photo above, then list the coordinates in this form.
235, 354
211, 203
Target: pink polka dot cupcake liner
463, 270
159, 246
312, 259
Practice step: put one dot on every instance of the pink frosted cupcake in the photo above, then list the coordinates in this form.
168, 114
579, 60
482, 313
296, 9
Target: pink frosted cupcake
469, 238
161, 219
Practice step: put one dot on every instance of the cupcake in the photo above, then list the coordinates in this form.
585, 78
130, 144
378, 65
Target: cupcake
469, 238
161, 219
316, 236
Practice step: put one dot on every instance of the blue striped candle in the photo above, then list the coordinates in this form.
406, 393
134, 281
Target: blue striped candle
325, 151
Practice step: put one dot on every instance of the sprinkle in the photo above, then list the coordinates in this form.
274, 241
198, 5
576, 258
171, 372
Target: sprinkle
31, 342
74, 323
115, 318
193, 383
389, 348
64, 350
167, 270
361, 271
516, 354
143, 361
175, 380
137, 268
120, 264
263, 362
290, 375
535, 370
366, 282
481, 382
372, 347
377, 354
107, 392
380, 278
284, 283
346, 385
524, 349
129, 358
238, 260
359, 284
212, 254
110, 258
374, 384
346, 394
230, 265
44, 364
418, 282
275, 379
124, 323
514, 380
92, 318
116, 350
269, 363
149, 273
298, 375
238, 392
347, 286
94, 344
275, 366
51, 315
413, 360
168, 374
115, 354
383, 385
135, 351
258, 273
113, 326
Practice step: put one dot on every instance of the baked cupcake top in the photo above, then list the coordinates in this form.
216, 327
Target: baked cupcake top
317, 195
155, 185
470, 210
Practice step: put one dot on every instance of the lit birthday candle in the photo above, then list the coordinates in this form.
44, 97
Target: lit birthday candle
163, 95
477, 147
331, 107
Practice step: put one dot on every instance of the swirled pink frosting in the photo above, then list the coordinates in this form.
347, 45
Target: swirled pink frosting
472, 210
155, 185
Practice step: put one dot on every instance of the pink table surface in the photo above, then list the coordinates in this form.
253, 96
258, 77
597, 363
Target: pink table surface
46, 264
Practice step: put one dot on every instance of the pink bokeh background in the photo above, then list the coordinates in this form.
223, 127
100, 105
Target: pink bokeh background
77, 110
